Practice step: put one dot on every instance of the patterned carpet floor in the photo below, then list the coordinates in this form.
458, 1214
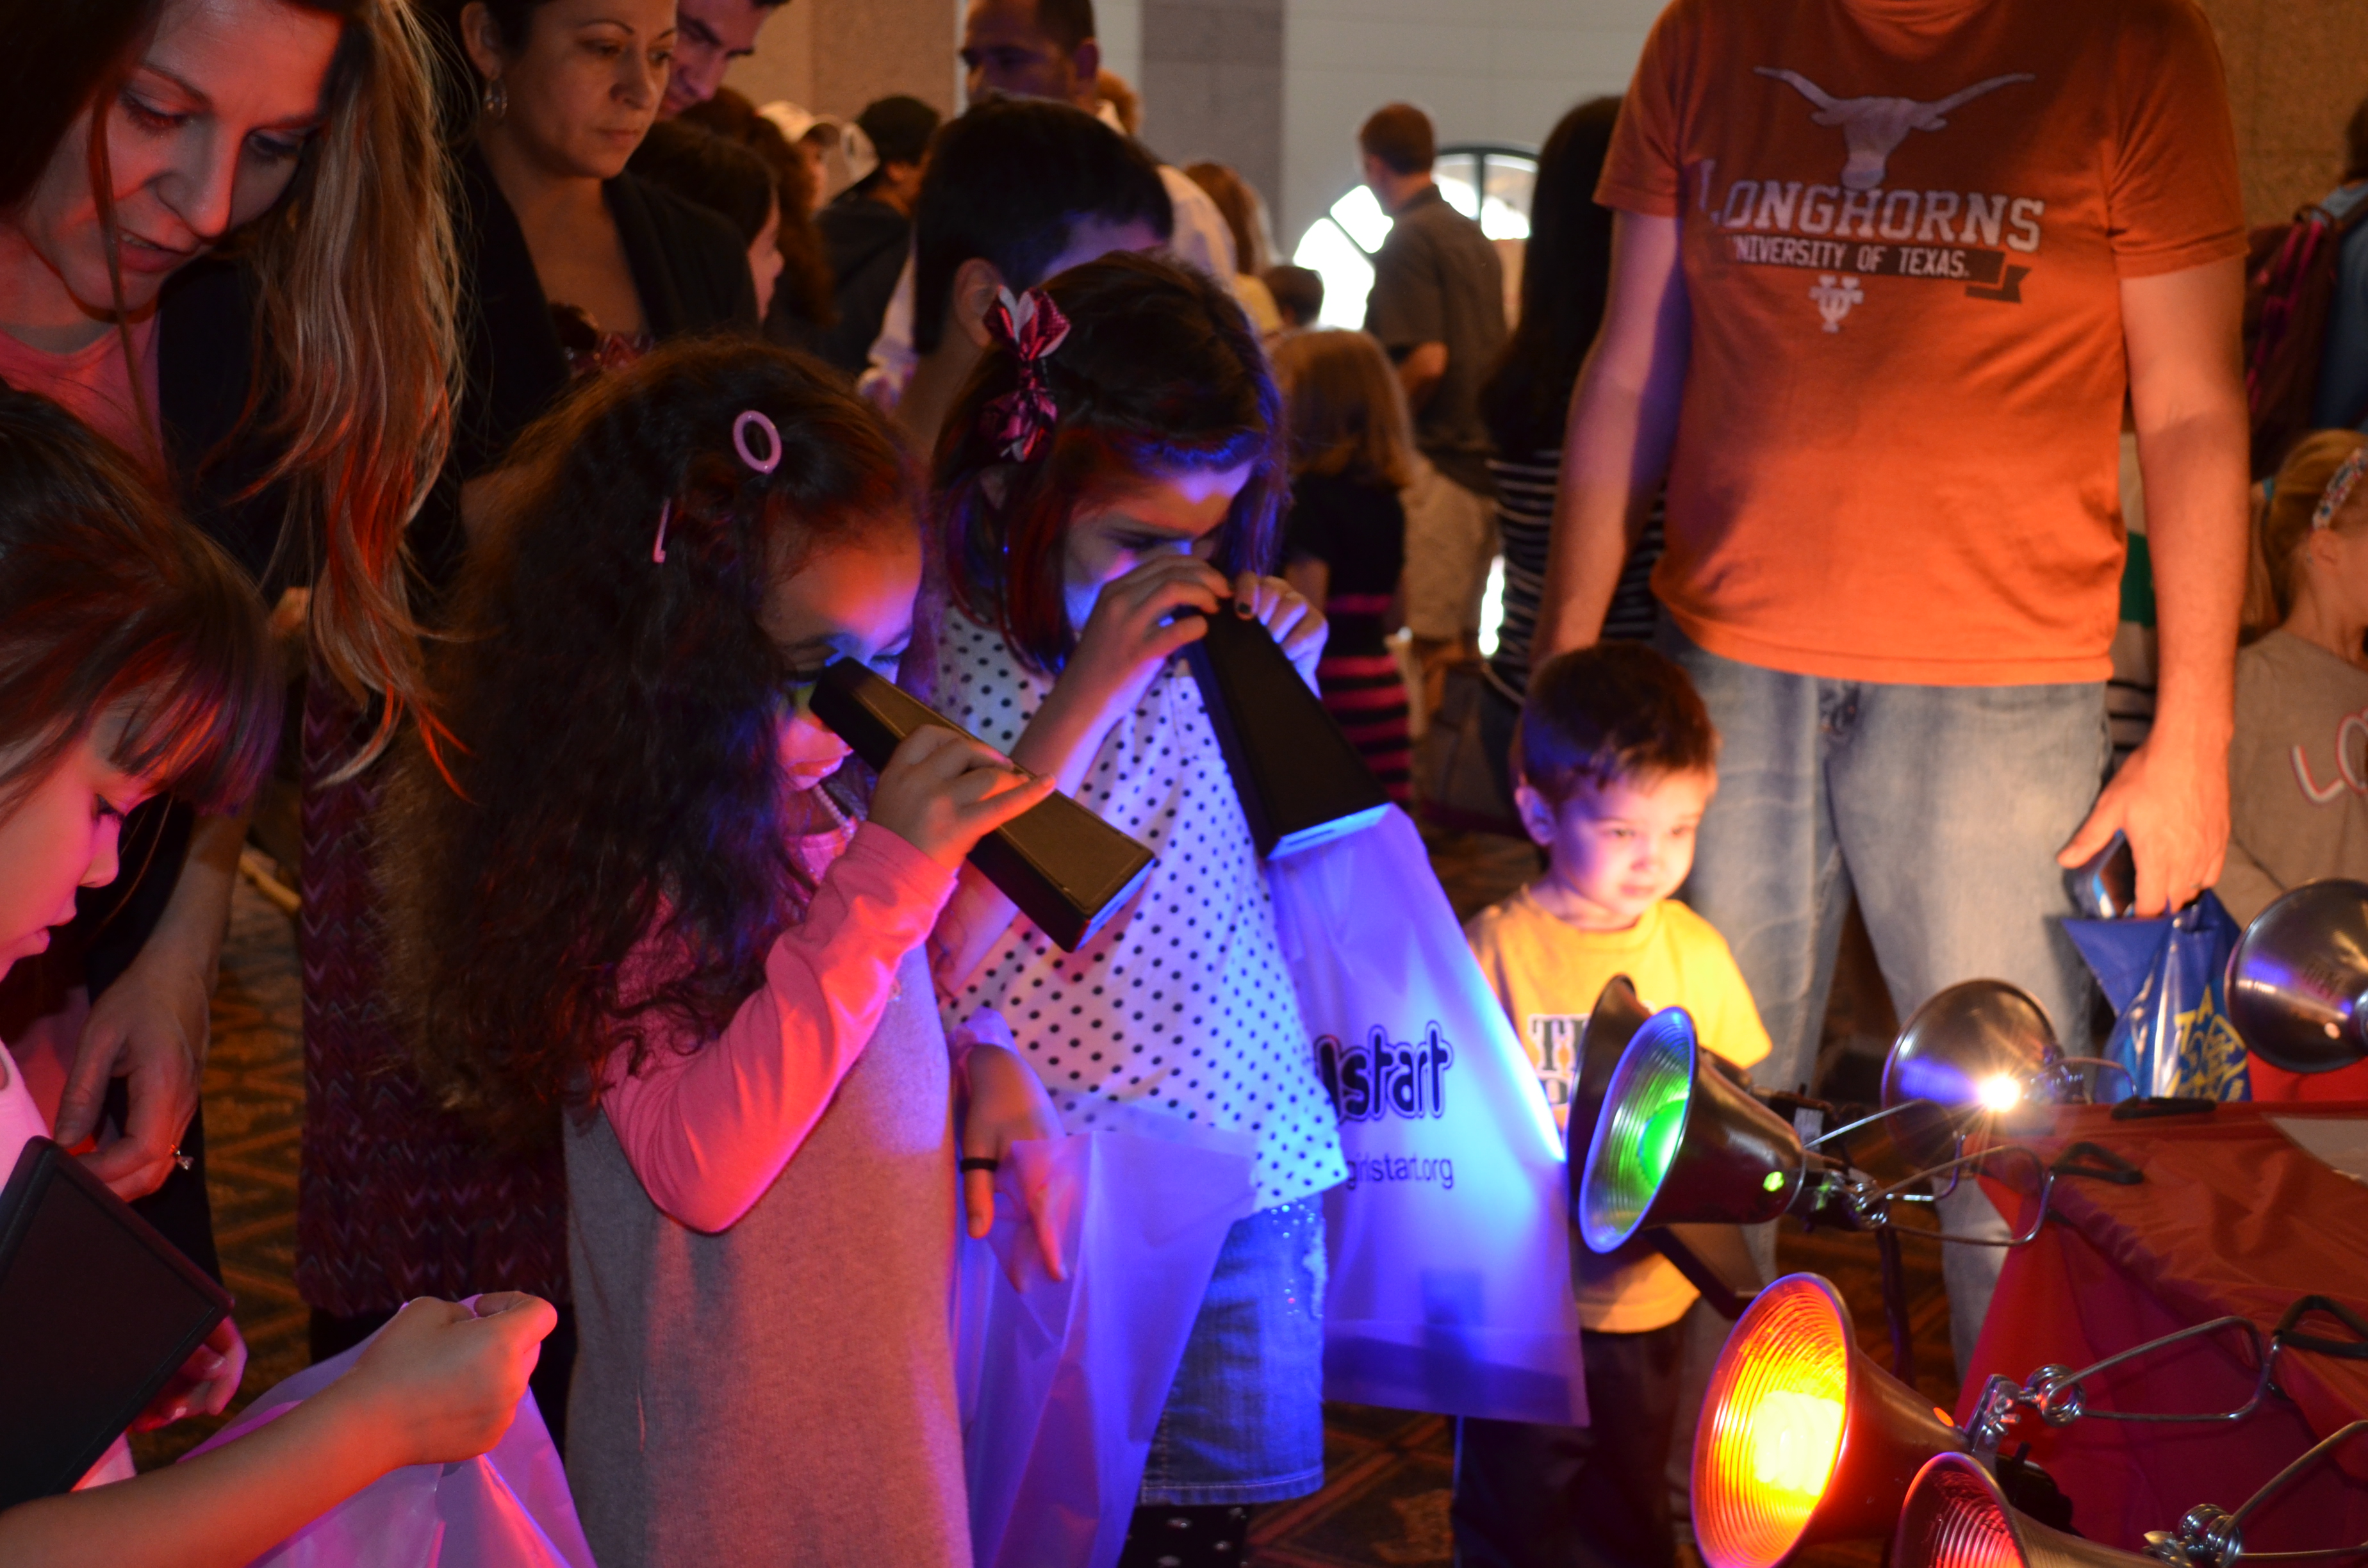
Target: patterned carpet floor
1384, 1504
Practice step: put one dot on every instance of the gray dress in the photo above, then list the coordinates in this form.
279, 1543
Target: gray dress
781, 1392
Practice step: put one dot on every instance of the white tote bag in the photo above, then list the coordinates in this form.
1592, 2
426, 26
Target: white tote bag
1449, 1248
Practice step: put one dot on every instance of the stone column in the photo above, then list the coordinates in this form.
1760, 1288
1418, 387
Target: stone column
1212, 85
834, 56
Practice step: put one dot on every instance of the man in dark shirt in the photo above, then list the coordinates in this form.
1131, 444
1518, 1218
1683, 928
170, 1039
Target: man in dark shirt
1437, 306
868, 230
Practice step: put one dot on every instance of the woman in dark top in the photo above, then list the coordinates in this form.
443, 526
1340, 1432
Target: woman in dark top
569, 266
1344, 546
1565, 270
701, 166
257, 306
800, 308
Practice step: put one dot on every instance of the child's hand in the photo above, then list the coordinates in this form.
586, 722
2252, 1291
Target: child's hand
205, 1384
941, 792
439, 1382
1130, 633
1008, 1105
1299, 626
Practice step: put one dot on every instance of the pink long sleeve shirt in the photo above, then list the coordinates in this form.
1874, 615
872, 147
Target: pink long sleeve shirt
709, 1129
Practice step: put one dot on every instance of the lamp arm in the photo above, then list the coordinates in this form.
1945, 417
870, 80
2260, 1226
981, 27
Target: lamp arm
2062, 1399
1873, 1204
2280, 1481
2061, 1062
2209, 1537
2056, 1394
1870, 1121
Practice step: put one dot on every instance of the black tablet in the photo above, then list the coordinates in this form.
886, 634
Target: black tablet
98, 1311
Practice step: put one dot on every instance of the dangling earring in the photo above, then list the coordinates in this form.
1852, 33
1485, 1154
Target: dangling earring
497, 99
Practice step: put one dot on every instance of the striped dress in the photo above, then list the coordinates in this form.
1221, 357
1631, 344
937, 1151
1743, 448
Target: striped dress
1525, 498
1357, 530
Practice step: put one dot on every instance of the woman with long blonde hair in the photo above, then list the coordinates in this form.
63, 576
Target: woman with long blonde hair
223, 244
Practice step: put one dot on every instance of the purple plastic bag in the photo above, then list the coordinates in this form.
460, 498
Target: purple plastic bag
1450, 1281
510, 1507
1062, 1382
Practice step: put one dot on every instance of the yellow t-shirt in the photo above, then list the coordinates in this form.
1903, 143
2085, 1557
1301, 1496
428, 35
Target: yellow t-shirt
1547, 973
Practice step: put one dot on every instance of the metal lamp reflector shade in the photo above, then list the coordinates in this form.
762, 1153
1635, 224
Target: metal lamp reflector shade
1973, 1047
1802, 1439
1610, 1024
1678, 1143
2299, 980
1955, 1516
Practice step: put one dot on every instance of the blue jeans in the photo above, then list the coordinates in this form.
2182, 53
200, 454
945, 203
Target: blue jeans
1943, 808
1244, 1421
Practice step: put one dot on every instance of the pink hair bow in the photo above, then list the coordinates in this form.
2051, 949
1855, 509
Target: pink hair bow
1031, 326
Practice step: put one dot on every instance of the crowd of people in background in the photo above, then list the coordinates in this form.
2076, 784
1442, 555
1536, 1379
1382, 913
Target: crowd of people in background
507, 331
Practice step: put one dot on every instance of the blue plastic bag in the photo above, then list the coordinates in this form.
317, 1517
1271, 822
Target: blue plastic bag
2167, 981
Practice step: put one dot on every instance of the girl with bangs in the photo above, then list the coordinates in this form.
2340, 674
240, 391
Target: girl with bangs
223, 246
134, 665
1111, 475
649, 919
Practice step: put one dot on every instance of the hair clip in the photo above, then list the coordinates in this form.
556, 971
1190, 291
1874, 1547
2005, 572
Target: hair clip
666, 516
2339, 489
740, 428
1031, 326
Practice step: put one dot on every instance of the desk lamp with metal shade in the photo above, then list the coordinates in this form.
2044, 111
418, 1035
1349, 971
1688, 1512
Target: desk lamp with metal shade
1955, 1516
1802, 1439
2297, 986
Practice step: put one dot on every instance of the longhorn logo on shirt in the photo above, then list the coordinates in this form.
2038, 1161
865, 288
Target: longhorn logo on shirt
1858, 230
1873, 128
1384, 1077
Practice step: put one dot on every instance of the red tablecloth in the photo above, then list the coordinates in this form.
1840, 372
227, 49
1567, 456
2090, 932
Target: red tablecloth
2232, 1218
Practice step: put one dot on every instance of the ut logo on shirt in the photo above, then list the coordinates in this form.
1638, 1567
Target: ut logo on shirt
1554, 1051
1384, 1077
1851, 226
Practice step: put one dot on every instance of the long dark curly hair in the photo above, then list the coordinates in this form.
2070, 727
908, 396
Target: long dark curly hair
617, 719
1161, 369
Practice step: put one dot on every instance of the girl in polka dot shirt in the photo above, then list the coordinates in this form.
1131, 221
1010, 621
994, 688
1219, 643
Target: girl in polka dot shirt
1112, 476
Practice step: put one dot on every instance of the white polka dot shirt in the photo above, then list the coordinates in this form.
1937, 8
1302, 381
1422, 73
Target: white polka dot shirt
1181, 1002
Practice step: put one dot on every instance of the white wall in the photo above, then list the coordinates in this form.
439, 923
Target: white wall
1118, 25
1493, 69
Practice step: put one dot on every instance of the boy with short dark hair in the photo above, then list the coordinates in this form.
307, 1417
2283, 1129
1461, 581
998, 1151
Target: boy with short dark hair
1616, 759
1017, 191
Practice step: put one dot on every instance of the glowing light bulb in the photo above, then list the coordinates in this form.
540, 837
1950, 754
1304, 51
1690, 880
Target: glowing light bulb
1795, 1438
1772, 1425
1999, 1092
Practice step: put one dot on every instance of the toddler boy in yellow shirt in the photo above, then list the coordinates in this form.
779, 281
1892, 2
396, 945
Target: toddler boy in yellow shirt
1616, 759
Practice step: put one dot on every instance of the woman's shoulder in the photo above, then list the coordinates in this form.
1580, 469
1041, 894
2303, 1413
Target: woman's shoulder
701, 249
681, 221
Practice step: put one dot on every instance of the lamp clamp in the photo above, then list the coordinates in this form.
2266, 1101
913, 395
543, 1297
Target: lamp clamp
2208, 1537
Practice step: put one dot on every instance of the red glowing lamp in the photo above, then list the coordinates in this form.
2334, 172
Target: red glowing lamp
1802, 1439
1955, 1516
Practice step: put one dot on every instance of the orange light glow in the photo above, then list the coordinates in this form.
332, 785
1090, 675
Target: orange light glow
1795, 1438
1773, 1426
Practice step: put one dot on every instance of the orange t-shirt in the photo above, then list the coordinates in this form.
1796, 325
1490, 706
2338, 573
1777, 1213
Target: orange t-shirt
1905, 222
